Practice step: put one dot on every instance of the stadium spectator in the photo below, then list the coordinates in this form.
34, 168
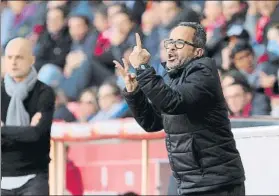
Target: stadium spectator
114, 8
111, 103
259, 76
151, 32
55, 42
82, 34
62, 113
88, 105
234, 14
266, 11
242, 102
234, 34
159, 63
173, 12
6, 23
213, 17
123, 31
102, 49
70, 7
24, 21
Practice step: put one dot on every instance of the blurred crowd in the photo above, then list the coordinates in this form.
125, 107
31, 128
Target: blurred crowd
75, 43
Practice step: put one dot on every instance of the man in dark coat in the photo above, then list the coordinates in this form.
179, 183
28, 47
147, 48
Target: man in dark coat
26, 119
191, 109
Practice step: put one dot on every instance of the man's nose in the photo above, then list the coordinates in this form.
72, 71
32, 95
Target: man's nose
13, 61
171, 47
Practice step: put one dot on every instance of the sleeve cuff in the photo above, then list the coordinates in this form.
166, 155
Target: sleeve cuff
131, 95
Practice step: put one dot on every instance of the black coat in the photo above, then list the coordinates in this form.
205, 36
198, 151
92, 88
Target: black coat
25, 149
193, 112
52, 49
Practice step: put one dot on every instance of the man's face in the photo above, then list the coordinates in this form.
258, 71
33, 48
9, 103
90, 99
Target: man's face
168, 11
177, 57
147, 24
78, 28
88, 105
55, 20
230, 8
235, 97
18, 61
100, 22
106, 97
122, 23
212, 10
112, 10
244, 61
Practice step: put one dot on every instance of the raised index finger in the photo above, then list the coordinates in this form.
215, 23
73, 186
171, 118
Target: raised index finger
138, 41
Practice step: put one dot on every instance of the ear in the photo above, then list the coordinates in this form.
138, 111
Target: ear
199, 52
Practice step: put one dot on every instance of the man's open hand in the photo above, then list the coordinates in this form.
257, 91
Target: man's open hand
129, 78
139, 56
2, 124
35, 119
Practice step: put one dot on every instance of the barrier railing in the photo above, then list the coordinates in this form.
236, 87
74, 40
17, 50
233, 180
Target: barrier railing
128, 129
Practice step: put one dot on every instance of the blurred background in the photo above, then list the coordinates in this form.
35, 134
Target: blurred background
75, 43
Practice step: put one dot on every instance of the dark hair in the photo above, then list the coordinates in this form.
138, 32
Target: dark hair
121, 5
114, 86
83, 17
241, 46
236, 75
93, 91
199, 39
245, 86
61, 9
102, 9
126, 11
239, 79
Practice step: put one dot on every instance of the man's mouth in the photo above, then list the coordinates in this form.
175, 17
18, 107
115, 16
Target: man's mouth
171, 57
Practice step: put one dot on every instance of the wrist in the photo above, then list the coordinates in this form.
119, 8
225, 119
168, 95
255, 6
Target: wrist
141, 68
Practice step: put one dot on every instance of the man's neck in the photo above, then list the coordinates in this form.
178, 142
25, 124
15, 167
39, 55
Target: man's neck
18, 80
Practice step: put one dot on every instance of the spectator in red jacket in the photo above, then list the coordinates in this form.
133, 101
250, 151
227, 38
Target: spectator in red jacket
102, 49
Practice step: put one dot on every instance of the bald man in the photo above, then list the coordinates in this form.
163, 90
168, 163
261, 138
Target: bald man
27, 107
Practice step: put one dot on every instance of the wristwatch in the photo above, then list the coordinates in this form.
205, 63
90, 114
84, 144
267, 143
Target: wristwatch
143, 67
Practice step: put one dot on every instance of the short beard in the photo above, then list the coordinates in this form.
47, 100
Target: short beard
182, 63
